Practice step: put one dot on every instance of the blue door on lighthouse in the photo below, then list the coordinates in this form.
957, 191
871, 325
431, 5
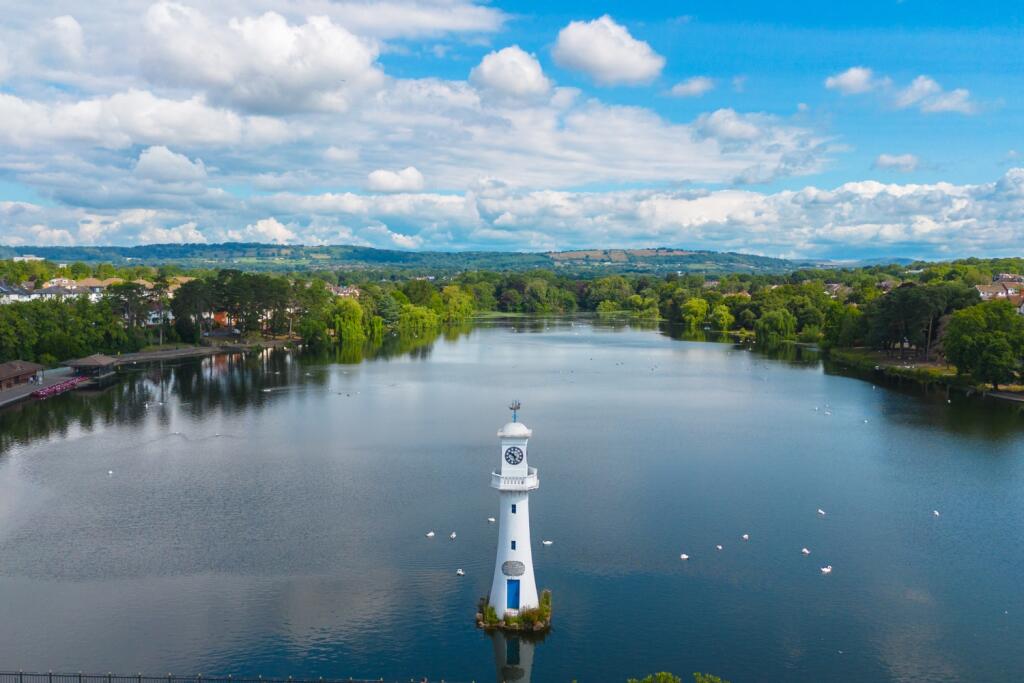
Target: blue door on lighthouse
512, 601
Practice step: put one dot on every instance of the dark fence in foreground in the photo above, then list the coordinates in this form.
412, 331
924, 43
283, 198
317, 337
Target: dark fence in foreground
26, 677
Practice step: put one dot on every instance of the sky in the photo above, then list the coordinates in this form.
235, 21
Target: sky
847, 130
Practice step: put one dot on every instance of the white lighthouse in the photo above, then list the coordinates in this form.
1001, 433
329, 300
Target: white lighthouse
514, 587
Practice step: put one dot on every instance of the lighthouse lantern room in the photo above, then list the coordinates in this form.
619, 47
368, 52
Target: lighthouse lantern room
514, 587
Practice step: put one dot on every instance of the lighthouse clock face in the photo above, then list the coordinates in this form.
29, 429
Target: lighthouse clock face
513, 455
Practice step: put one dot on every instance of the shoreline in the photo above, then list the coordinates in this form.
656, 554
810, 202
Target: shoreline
22, 393
925, 375
197, 351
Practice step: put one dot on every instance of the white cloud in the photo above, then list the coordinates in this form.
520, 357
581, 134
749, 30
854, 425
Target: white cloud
918, 90
865, 218
407, 180
265, 230
162, 165
262, 64
186, 233
64, 41
958, 100
854, 81
693, 87
416, 18
606, 52
340, 155
132, 117
727, 125
923, 92
897, 162
511, 71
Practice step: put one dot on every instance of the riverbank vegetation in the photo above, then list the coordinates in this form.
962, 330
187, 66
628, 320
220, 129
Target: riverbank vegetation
929, 314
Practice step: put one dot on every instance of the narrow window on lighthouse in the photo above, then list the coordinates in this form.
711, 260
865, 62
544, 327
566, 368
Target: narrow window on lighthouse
513, 545
513, 508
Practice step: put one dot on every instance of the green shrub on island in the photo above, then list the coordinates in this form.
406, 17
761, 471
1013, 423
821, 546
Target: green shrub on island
660, 677
666, 677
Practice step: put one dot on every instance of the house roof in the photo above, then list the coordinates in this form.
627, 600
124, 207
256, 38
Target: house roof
11, 289
96, 360
17, 368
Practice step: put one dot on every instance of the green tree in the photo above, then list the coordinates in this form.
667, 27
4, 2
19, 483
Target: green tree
693, 314
457, 304
986, 341
721, 318
347, 317
775, 326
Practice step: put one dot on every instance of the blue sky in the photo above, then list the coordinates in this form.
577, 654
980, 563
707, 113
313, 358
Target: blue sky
838, 130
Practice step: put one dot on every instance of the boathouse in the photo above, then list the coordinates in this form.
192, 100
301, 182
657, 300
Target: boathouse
97, 366
15, 372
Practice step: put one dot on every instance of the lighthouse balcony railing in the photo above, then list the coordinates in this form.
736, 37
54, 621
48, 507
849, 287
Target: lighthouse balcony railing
527, 483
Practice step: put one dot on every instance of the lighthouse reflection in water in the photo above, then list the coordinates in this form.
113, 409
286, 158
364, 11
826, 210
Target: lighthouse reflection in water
513, 656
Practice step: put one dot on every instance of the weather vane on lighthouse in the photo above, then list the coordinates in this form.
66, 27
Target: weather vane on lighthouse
513, 603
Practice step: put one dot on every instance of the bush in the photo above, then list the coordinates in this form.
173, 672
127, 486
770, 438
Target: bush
660, 677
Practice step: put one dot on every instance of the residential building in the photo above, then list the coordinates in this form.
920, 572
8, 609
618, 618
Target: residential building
998, 290
10, 294
347, 291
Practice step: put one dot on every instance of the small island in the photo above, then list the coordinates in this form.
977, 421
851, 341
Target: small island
529, 620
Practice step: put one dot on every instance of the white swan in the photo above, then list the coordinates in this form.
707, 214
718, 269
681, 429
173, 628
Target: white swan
490, 520
452, 535
110, 473
745, 537
718, 547
935, 512
459, 572
546, 542
684, 556
430, 534
821, 512
805, 551
826, 569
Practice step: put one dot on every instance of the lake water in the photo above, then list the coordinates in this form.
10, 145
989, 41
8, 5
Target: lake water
282, 533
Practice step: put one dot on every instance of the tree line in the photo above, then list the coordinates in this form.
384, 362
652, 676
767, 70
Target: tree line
924, 311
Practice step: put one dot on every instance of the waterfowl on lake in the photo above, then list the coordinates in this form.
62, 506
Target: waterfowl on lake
110, 473
745, 537
805, 551
935, 513
546, 542
459, 572
684, 556
490, 520
430, 534
452, 535
827, 569
718, 547
821, 512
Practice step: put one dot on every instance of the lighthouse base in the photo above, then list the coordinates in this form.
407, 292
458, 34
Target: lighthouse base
527, 620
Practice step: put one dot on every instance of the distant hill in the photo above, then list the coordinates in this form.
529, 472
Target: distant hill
252, 256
